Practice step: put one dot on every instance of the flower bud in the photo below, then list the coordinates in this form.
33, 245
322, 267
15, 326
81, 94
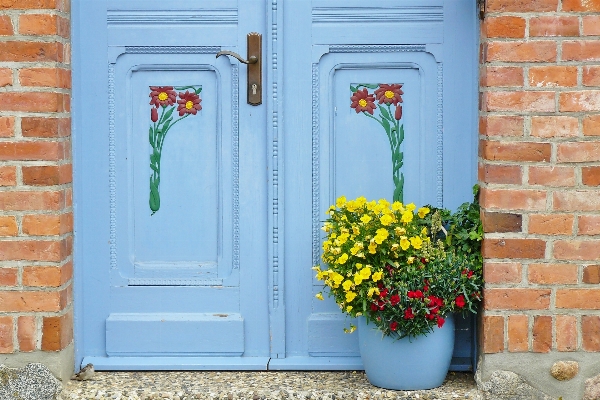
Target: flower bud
154, 114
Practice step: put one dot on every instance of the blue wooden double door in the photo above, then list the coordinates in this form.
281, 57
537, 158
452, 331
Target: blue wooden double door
198, 215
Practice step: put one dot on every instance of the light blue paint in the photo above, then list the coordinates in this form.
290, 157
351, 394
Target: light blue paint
243, 189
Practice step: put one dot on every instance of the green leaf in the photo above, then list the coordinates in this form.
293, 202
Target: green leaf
151, 136
154, 200
386, 126
353, 89
385, 113
169, 113
369, 85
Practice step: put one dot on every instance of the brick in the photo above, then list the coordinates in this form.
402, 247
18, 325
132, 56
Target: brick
513, 248
581, 50
509, 199
514, 151
501, 222
591, 25
553, 76
47, 175
45, 77
8, 176
554, 26
502, 125
26, 333
6, 27
566, 333
8, 277
42, 276
6, 77
493, 334
38, 24
27, 4
31, 51
578, 152
22, 201
57, 332
516, 299
590, 333
589, 225
521, 5
7, 125
542, 334
32, 150
501, 174
552, 274
580, 5
41, 225
63, 27
32, 101
578, 200
518, 333
6, 335
591, 125
46, 127
577, 250
33, 250
534, 51
18, 301
520, 101
552, 176
8, 226
591, 75
591, 274
551, 224
66, 223
554, 126
502, 272
503, 76
588, 100
590, 176
504, 27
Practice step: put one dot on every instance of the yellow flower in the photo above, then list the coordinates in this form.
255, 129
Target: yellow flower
399, 231
322, 275
326, 245
319, 296
360, 255
365, 219
361, 201
395, 246
351, 329
424, 231
355, 249
355, 229
410, 260
416, 242
365, 272
371, 205
340, 201
358, 278
337, 278
407, 216
359, 265
349, 308
411, 207
342, 259
397, 206
377, 276
423, 211
382, 234
384, 203
343, 238
351, 206
336, 250
350, 296
347, 285
372, 248
371, 291
404, 243
386, 220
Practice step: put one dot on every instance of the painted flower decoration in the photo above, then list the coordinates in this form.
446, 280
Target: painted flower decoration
363, 101
189, 103
162, 96
389, 94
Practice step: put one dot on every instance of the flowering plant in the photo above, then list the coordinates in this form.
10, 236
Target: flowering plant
385, 262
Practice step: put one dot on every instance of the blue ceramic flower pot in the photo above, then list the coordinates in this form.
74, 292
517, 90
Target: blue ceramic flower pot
406, 364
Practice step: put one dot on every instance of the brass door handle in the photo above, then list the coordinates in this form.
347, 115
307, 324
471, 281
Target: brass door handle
254, 63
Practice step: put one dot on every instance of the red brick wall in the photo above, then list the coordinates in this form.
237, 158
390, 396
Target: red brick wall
540, 170
36, 218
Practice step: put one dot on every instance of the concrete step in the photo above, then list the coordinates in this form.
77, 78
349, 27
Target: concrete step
330, 385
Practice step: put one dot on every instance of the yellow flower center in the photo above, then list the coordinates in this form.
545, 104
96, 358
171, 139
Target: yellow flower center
389, 94
189, 104
162, 96
362, 103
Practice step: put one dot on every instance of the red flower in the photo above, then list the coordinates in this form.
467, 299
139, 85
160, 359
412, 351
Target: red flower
430, 316
363, 101
389, 94
395, 299
153, 114
408, 313
425, 288
435, 301
440, 322
460, 301
162, 96
374, 307
398, 113
189, 103
381, 304
416, 294
383, 293
467, 272
394, 326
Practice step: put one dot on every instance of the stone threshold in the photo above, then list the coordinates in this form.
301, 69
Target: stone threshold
232, 385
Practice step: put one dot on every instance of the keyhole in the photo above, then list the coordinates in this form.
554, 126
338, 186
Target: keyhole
254, 87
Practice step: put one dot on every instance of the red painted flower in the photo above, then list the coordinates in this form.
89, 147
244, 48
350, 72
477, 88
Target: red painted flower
189, 103
395, 299
394, 326
162, 96
363, 101
408, 313
460, 301
389, 94
153, 114
398, 114
440, 322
